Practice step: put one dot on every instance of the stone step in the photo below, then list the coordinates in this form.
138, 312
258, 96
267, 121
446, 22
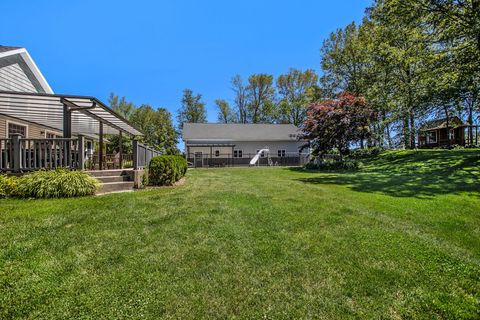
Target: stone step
109, 173
110, 187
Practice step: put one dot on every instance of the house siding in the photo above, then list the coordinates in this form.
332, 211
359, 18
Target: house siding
34, 131
12, 78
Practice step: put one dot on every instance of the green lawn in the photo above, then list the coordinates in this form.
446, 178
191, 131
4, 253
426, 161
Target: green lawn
399, 239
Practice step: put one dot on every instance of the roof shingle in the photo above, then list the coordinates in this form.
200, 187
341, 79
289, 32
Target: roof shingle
240, 132
8, 48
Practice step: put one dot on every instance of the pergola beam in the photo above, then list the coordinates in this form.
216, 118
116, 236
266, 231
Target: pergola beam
47, 110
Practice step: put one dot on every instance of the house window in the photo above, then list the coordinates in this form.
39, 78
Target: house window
50, 135
281, 153
451, 134
431, 137
14, 128
237, 153
217, 153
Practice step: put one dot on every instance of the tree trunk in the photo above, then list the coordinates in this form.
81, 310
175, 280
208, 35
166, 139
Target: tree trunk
406, 130
412, 130
448, 126
470, 123
387, 130
476, 10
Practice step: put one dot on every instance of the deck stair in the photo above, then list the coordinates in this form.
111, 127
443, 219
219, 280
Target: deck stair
120, 180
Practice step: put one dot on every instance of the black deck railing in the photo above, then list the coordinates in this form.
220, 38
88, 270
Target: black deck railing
22, 154
142, 155
19, 154
227, 160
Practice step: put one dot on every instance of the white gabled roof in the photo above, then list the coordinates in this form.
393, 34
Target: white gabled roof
6, 51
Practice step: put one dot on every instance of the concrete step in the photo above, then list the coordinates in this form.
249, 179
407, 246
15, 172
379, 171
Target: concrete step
110, 173
107, 179
110, 187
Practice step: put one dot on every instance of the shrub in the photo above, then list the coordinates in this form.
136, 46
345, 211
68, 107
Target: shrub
166, 170
59, 183
333, 164
365, 153
8, 186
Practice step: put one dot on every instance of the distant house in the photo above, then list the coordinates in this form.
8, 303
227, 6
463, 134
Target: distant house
213, 144
434, 133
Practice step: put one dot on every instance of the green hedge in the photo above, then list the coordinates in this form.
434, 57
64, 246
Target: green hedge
333, 164
58, 183
166, 170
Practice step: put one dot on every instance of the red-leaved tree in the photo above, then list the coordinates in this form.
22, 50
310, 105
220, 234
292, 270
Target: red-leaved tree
337, 123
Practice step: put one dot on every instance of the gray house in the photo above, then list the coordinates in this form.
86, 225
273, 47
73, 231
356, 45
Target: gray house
41, 129
219, 145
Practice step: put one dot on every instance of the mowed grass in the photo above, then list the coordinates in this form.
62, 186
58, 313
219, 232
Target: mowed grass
400, 239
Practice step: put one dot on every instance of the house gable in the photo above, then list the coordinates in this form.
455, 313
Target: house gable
19, 73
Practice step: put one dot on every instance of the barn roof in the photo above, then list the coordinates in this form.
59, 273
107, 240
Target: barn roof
240, 132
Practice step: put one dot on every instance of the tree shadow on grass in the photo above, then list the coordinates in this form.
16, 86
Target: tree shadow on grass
422, 174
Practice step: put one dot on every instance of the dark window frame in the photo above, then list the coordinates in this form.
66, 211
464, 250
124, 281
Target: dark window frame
238, 153
18, 125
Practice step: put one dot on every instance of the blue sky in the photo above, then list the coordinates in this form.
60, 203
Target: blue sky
149, 51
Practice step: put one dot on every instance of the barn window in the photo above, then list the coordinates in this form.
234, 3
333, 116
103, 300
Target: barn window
281, 153
237, 153
217, 153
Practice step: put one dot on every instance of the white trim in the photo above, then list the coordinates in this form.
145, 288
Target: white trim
31, 64
7, 122
52, 132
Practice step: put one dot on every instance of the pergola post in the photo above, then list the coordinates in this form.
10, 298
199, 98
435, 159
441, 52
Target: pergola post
100, 146
67, 133
16, 155
67, 121
81, 152
120, 148
135, 154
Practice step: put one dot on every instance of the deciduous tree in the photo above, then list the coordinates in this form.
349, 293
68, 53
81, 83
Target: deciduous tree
296, 89
337, 123
192, 110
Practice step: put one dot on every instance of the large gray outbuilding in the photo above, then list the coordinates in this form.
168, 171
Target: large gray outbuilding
220, 145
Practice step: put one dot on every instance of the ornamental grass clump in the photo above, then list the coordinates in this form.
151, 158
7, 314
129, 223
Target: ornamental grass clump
166, 170
59, 183
8, 186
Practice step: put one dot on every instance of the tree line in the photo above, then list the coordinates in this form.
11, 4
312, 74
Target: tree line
408, 60
155, 123
259, 99
412, 60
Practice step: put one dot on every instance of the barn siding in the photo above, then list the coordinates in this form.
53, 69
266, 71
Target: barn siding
249, 148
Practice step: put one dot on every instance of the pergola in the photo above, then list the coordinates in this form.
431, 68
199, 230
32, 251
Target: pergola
72, 115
